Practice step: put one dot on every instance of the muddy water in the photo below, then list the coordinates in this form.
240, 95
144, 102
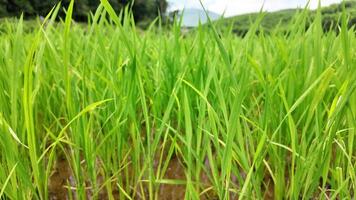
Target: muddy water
62, 178
175, 171
59, 179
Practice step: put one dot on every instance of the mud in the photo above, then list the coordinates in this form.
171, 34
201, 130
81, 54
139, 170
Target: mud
59, 179
62, 186
60, 183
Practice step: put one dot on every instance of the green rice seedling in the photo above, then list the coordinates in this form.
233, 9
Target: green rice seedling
105, 110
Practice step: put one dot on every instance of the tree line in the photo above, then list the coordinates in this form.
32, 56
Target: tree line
142, 9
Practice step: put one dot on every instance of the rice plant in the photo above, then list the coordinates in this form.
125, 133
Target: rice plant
105, 110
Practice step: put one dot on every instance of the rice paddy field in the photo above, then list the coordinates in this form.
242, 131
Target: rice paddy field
107, 111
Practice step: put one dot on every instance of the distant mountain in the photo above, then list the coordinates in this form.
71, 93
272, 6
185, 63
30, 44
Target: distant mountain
192, 16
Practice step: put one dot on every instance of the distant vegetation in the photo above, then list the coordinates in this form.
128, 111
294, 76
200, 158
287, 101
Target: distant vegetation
281, 19
142, 9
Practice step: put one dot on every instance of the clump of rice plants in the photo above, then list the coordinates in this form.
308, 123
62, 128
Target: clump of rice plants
107, 111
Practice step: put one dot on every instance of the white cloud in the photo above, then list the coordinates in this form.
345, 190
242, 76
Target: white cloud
235, 7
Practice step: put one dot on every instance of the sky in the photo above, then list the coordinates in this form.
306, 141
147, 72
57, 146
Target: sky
236, 7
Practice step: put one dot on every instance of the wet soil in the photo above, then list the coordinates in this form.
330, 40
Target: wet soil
61, 180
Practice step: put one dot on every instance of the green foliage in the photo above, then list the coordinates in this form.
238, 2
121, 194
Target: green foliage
106, 111
142, 9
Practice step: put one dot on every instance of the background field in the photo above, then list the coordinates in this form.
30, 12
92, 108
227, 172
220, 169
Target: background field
107, 111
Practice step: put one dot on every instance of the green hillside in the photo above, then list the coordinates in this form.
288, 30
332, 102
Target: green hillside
281, 20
